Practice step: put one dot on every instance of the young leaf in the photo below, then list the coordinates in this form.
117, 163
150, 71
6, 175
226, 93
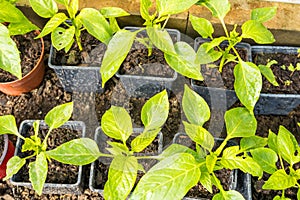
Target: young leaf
59, 115
174, 149
72, 8
61, 37
117, 148
272, 141
80, 151
202, 26
121, 177
170, 7
109, 12
38, 172
30, 144
195, 107
143, 140
184, 62
263, 14
268, 73
252, 142
162, 40
211, 162
266, 158
176, 175
116, 53
95, 24
8, 125
52, 24
13, 166
9, 53
287, 145
218, 8
205, 180
279, 180
206, 55
199, 135
22, 27
247, 83
116, 123
144, 9
44, 8
155, 111
63, 2
240, 123
229, 195
258, 32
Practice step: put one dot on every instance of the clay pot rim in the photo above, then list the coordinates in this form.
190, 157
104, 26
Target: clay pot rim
37, 64
4, 149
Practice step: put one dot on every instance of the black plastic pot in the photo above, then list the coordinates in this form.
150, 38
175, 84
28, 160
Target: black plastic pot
50, 188
147, 86
240, 181
6, 154
101, 140
77, 78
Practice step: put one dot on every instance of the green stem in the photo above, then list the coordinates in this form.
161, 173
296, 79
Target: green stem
166, 21
148, 157
219, 186
224, 27
105, 155
221, 147
46, 137
237, 54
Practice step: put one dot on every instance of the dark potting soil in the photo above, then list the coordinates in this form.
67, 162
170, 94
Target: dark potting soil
2, 146
57, 172
30, 51
289, 82
92, 53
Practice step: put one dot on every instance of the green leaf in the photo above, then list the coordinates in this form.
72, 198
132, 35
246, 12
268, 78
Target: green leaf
229, 195
108, 12
59, 115
240, 123
211, 162
36, 126
144, 9
72, 8
169, 179
61, 37
21, 28
44, 8
162, 40
247, 83
272, 141
258, 32
263, 14
202, 26
30, 144
195, 107
252, 142
215, 42
38, 172
205, 180
8, 125
199, 135
10, 13
116, 53
218, 8
52, 24
279, 180
117, 148
268, 73
116, 123
266, 158
287, 145
175, 149
206, 55
121, 177
155, 111
13, 166
143, 140
298, 193
95, 24
170, 7
184, 61
63, 2
80, 151
9, 53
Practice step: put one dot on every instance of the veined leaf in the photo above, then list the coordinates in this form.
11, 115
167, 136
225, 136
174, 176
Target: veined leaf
206, 55
272, 141
268, 73
61, 37
258, 32
109, 12
247, 83
44, 8
144, 9
279, 180
195, 107
116, 123
174, 149
170, 7
8, 125
59, 115
121, 177
252, 142
143, 140
240, 123
266, 158
117, 148
81, 151
218, 8
116, 53
170, 179
263, 14
287, 145
73, 8
184, 61
10, 13
211, 162
202, 26
206, 181
229, 195
63, 2
95, 24
9, 53
52, 24
22, 27
13, 166
155, 111
38, 172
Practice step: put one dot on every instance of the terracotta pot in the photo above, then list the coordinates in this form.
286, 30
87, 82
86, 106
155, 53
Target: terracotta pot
28, 82
7, 153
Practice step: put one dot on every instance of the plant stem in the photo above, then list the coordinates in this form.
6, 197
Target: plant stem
148, 157
221, 147
46, 137
237, 54
165, 23
218, 185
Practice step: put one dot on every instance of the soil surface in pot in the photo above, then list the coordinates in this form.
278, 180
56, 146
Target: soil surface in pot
30, 51
92, 53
